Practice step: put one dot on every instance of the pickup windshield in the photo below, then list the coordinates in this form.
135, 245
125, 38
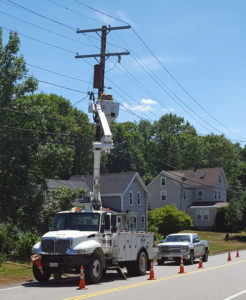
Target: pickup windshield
177, 238
76, 221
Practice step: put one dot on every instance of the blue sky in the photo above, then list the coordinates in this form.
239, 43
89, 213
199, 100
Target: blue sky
200, 43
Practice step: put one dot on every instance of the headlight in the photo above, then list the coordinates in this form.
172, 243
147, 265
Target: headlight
185, 248
80, 251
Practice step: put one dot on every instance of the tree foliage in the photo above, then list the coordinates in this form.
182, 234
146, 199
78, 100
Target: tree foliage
168, 220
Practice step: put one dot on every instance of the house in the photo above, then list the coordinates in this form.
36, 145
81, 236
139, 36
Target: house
198, 192
124, 193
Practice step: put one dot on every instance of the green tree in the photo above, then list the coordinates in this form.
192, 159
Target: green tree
168, 220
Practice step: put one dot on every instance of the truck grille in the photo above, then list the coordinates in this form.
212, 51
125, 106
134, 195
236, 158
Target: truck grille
170, 249
55, 246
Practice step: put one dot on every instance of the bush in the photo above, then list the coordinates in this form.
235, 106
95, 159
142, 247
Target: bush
9, 235
24, 245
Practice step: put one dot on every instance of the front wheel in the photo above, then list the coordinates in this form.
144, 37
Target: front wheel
42, 277
94, 270
191, 261
205, 256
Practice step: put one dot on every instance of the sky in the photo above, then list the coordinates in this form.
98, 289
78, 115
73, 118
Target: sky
187, 57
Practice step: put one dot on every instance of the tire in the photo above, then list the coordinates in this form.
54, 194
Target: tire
38, 275
141, 264
205, 256
131, 269
94, 271
160, 262
191, 260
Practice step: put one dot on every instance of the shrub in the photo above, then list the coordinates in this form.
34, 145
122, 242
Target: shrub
24, 245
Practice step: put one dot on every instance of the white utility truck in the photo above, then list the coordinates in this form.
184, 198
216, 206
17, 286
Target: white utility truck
90, 238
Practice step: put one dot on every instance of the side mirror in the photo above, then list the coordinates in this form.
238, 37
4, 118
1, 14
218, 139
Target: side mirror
102, 228
113, 229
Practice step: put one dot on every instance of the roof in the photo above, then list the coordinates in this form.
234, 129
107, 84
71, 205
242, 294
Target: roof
110, 183
197, 177
209, 203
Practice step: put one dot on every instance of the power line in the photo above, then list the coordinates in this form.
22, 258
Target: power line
107, 15
47, 30
42, 42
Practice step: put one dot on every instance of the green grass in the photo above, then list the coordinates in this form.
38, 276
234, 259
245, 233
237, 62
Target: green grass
217, 242
12, 272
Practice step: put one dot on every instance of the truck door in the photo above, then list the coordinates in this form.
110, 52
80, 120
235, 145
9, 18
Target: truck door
197, 245
107, 235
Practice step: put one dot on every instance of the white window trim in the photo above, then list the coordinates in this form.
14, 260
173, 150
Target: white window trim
130, 193
143, 222
161, 193
197, 195
139, 198
162, 177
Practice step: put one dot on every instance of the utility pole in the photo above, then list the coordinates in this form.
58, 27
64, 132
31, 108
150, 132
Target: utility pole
99, 69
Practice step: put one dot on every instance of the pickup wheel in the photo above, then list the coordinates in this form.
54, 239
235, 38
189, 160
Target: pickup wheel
141, 264
205, 256
191, 260
94, 271
38, 275
160, 262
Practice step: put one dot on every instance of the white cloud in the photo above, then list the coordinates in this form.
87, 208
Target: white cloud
149, 101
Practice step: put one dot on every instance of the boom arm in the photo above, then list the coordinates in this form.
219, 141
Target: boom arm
105, 111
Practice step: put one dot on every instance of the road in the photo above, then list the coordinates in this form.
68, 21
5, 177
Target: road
218, 279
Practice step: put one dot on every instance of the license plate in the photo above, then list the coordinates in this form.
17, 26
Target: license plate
53, 264
170, 258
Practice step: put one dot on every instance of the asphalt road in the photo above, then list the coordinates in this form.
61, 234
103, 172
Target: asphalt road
218, 279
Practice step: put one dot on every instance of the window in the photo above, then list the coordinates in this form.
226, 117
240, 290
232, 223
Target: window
142, 222
119, 220
184, 196
202, 214
131, 198
215, 195
139, 198
199, 195
219, 179
163, 181
163, 195
135, 223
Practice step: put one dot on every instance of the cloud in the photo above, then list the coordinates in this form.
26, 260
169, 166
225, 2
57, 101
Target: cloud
148, 101
146, 105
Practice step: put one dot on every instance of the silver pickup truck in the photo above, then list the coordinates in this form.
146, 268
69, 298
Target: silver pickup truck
187, 245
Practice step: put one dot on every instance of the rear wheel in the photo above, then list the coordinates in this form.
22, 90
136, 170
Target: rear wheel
141, 264
38, 275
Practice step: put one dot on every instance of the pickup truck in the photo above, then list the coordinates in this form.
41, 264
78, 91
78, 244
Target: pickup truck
187, 245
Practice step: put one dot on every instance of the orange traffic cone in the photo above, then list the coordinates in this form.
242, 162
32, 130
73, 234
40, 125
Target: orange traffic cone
36, 259
82, 280
151, 273
181, 265
200, 262
229, 255
237, 254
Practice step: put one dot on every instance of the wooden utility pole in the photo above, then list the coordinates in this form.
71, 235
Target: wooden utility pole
99, 69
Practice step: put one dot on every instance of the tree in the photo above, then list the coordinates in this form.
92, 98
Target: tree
168, 220
59, 199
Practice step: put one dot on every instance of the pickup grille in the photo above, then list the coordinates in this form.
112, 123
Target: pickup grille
55, 246
172, 249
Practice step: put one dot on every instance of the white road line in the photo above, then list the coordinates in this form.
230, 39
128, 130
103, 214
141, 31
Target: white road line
235, 295
12, 288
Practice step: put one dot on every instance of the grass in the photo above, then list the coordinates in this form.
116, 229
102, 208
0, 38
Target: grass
217, 242
13, 272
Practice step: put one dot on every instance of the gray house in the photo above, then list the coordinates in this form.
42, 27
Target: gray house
198, 192
124, 193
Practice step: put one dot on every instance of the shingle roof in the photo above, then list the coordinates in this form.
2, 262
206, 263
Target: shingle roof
210, 203
54, 183
110, 183
198, 177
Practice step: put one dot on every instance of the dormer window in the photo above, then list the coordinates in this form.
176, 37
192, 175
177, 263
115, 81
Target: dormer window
202, 174
163, 181
219, 179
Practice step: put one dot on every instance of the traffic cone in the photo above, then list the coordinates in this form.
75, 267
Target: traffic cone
82, 280
229, 255
36, 259
237, 254
151, 273
181, 265
200, 262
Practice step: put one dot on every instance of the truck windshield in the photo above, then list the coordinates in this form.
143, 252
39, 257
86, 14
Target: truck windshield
178, 238
76, 221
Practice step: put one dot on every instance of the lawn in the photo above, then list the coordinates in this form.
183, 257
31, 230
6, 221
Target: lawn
217, 242
13, 272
